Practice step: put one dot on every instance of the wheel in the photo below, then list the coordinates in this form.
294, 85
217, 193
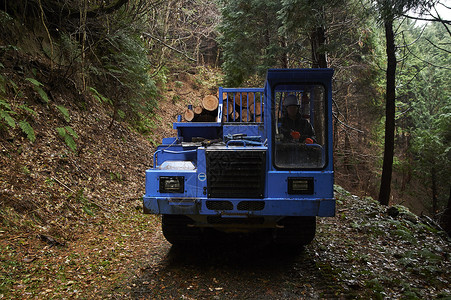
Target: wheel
177, 231
296, 231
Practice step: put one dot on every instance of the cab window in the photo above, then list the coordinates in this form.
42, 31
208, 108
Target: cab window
299, 126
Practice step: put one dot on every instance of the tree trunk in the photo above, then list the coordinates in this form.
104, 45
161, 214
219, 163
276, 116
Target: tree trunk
284, 55
385, 188
318, 40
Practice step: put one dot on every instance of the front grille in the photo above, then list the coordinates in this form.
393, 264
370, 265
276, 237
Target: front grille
219, 205
236, 174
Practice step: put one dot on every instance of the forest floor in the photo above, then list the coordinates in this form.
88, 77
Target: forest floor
71, 223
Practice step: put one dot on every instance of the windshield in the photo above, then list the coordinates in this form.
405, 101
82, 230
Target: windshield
299, 126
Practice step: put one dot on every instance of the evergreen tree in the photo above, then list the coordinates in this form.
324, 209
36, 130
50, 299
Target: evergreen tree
428, 79
389, 11
250, 39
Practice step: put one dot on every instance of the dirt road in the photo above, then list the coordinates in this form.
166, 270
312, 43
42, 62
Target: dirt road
241, 269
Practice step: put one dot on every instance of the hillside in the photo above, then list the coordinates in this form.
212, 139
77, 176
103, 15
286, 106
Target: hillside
46, 182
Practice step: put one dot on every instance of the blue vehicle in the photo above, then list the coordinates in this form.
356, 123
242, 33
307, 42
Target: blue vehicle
240, 174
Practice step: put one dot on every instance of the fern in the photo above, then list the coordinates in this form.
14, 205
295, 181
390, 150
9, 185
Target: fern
28, 130
5, 115
61, 131
69, 140
71, 132
27, 109
2, 84
65, 112
24, 125
42, 94
5, 104
37, 86
34, 82
99, 97
68, 134
16, 89
121, 114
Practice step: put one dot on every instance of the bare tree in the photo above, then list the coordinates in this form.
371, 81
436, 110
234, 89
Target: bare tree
184, 27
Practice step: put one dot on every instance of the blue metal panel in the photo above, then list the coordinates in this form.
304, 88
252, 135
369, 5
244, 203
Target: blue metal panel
250, 130
169, 140
202, 173
282, 76
150, 205
153, 184
273, 207
175, 206
198, 125
188, 130
174, 152
277, 184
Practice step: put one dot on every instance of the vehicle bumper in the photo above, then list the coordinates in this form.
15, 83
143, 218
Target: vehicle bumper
271, 207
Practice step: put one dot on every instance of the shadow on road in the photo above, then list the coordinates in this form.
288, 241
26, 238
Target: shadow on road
236, 254
236, 269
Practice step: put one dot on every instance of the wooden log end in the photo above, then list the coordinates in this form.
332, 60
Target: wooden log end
210, 102
188, 115
198, 110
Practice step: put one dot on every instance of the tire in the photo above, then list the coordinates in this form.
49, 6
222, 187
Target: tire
177, 232
296, 231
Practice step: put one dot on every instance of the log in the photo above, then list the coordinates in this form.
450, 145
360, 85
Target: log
224, 96
198, 110
258, 108
245, 117
235, 116
250, 99
227, 108
240, 99
189, 115
246, 100
210, 102
232, 117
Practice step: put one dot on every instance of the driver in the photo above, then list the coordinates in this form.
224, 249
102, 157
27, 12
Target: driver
294, 127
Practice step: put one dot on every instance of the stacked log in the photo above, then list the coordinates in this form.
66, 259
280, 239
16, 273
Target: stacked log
241, 107
206, 112
256, 110
189, 115
210, 103
237, 107
244, 99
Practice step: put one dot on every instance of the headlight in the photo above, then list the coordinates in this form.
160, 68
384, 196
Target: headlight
300, 185
172, 184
